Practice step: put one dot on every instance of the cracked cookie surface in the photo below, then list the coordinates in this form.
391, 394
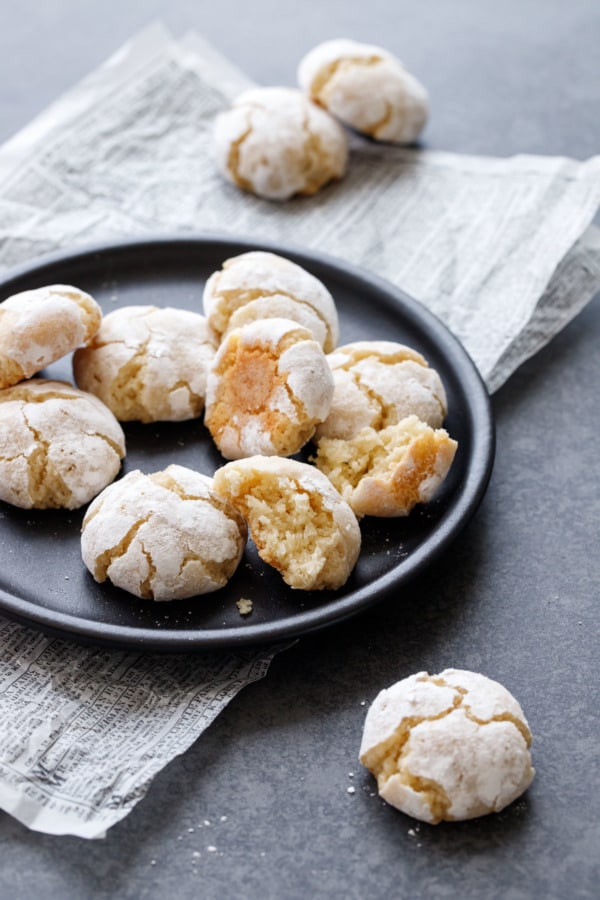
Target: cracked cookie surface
59, 446
268, 388
40, 326
148, 364
378, 383
258, 285
386, 473
298, 521
275, 143
366, 87
164, 536
447, 747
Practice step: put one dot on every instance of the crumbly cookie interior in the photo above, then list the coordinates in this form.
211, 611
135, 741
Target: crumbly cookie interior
292, 527
400, 466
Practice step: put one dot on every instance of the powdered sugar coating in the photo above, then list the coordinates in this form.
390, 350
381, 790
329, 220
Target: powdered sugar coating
164, 536
40, 326
148, 364
59, 446
268, 388
275, 143
447, 747
366, 87
259, 284
378, 383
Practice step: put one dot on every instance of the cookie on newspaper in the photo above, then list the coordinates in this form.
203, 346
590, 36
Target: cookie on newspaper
259, 285
378, 383
298, 521
447, 747
148, 364
367, 88
59, 446
275, 143
165, 536
38, 327
268, 388
386, 473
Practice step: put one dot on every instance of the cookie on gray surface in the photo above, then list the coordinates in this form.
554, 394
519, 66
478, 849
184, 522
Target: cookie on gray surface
447, 747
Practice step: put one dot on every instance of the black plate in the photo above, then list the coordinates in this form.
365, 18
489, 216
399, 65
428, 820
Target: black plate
43, 581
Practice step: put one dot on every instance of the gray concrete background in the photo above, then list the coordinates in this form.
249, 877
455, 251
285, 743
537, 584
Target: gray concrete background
515, 597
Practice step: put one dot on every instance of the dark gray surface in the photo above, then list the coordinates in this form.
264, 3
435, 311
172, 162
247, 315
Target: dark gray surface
516, 596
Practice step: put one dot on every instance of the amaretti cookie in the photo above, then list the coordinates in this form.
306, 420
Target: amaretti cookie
367, 88
268, 388
275, 143
59, 446
298, 521
386, 473
378, 383
148, 364
259, 285
164, 536
38, 327
447, 747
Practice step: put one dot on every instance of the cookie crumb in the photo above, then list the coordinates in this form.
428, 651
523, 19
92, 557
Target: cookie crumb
244, 605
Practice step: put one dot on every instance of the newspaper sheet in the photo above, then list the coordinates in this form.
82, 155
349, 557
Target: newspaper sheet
85, 731
499, 249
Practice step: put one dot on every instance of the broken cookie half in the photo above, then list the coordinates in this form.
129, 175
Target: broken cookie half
447, 747
298, 521
164, 536
387, 473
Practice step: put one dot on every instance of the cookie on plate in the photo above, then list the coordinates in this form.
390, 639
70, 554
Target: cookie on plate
148, 364
298, 521
164, 536
268, 388
386, 473
447, 747
378, 383
59, 446
258, 285
367, 88
275, 143
38, 327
